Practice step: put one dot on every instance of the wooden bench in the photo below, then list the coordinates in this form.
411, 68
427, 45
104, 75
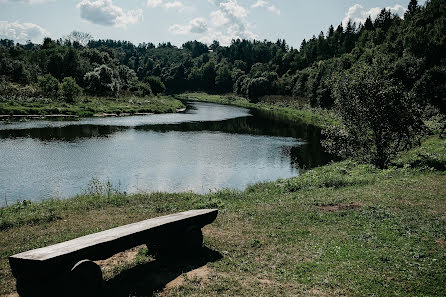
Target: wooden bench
67, 268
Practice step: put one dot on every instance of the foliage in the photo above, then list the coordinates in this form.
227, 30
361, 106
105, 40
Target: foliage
156, 84
415, 46
49, 85
102, 81
70, 89
378, 117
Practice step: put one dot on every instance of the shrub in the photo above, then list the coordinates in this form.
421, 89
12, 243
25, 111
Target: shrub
378, 117
49, 85
156, 84
70, 89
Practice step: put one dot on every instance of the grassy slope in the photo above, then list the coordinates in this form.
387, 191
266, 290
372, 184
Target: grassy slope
316, 117
342, 229
91, 105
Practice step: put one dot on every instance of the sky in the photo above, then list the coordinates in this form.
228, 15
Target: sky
178, 21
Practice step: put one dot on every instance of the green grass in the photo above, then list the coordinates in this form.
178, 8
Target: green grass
431, 154
342, 229
89, 106
316, 117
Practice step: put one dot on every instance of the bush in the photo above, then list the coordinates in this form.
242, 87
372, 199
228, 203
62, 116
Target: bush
156, 84
49, 85
257, 88
70, 89
102, 81
378, 117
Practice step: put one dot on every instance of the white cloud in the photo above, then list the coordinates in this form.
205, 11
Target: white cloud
271, 8
28, 1
229, 21
174, 4
231, 7
168, 5
358, 14
218, 18
154, 3
259, 3
274, 9
197, 25
103, 12
22, 32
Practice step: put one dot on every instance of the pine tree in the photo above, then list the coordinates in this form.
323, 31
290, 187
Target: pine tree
412, 8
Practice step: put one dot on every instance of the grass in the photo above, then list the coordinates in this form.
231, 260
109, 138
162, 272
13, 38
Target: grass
89, 106
342, 229
313, 116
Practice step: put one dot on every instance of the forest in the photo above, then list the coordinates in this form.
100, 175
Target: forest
396, 65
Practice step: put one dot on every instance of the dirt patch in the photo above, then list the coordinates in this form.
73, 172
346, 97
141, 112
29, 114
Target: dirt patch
11, 295
266, 282
315, 292
201, 274
120, 258
339, 207
440, 242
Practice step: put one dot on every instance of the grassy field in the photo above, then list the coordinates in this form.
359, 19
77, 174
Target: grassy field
89, 106
316, 117
342, 229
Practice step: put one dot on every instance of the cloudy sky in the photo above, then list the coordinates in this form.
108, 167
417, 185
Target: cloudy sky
182, 20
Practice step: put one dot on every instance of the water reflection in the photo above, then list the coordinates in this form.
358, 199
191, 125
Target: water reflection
172, 153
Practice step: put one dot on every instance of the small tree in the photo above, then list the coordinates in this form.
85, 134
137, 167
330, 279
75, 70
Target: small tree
156, 84
102, 81
49, 85
257, 88
378, 117
70, 89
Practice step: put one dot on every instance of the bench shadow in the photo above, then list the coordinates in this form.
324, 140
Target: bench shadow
146, 279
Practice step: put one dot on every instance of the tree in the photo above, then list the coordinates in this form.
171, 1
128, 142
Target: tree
378, 117
102, 81
81, 38
49, 85
70, 89
223, 80
412, 8
156, 84
257, 88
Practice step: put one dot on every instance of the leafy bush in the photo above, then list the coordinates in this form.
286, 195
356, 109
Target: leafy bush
379, 118
70, 89
49, 85
156, 84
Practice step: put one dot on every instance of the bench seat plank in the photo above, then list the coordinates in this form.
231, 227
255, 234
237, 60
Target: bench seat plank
109, 242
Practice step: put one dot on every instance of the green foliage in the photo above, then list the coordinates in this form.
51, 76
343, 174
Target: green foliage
102, 81
49, 85
156, 85
70, 89
378, 117
431, 154
257, 88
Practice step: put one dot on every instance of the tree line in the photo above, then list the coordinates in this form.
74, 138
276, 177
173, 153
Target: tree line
404, 57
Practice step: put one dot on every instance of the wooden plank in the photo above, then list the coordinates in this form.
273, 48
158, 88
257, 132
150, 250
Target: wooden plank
81, 243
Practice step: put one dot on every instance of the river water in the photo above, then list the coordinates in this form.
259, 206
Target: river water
209, 147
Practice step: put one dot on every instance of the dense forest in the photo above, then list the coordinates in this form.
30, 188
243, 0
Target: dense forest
405, 58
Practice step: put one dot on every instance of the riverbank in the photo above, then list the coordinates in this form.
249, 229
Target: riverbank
89, 106
316, 117
341, 229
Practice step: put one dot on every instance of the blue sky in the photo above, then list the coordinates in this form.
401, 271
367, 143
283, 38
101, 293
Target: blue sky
182, 20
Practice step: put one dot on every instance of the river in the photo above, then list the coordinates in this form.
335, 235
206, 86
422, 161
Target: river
207, 148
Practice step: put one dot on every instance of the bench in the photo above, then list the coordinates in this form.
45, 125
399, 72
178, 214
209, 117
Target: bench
67, 268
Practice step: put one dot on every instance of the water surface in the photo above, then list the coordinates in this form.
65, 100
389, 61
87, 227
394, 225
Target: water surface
209, 147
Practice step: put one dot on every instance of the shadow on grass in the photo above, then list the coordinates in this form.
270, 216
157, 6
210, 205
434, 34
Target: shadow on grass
146, 279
